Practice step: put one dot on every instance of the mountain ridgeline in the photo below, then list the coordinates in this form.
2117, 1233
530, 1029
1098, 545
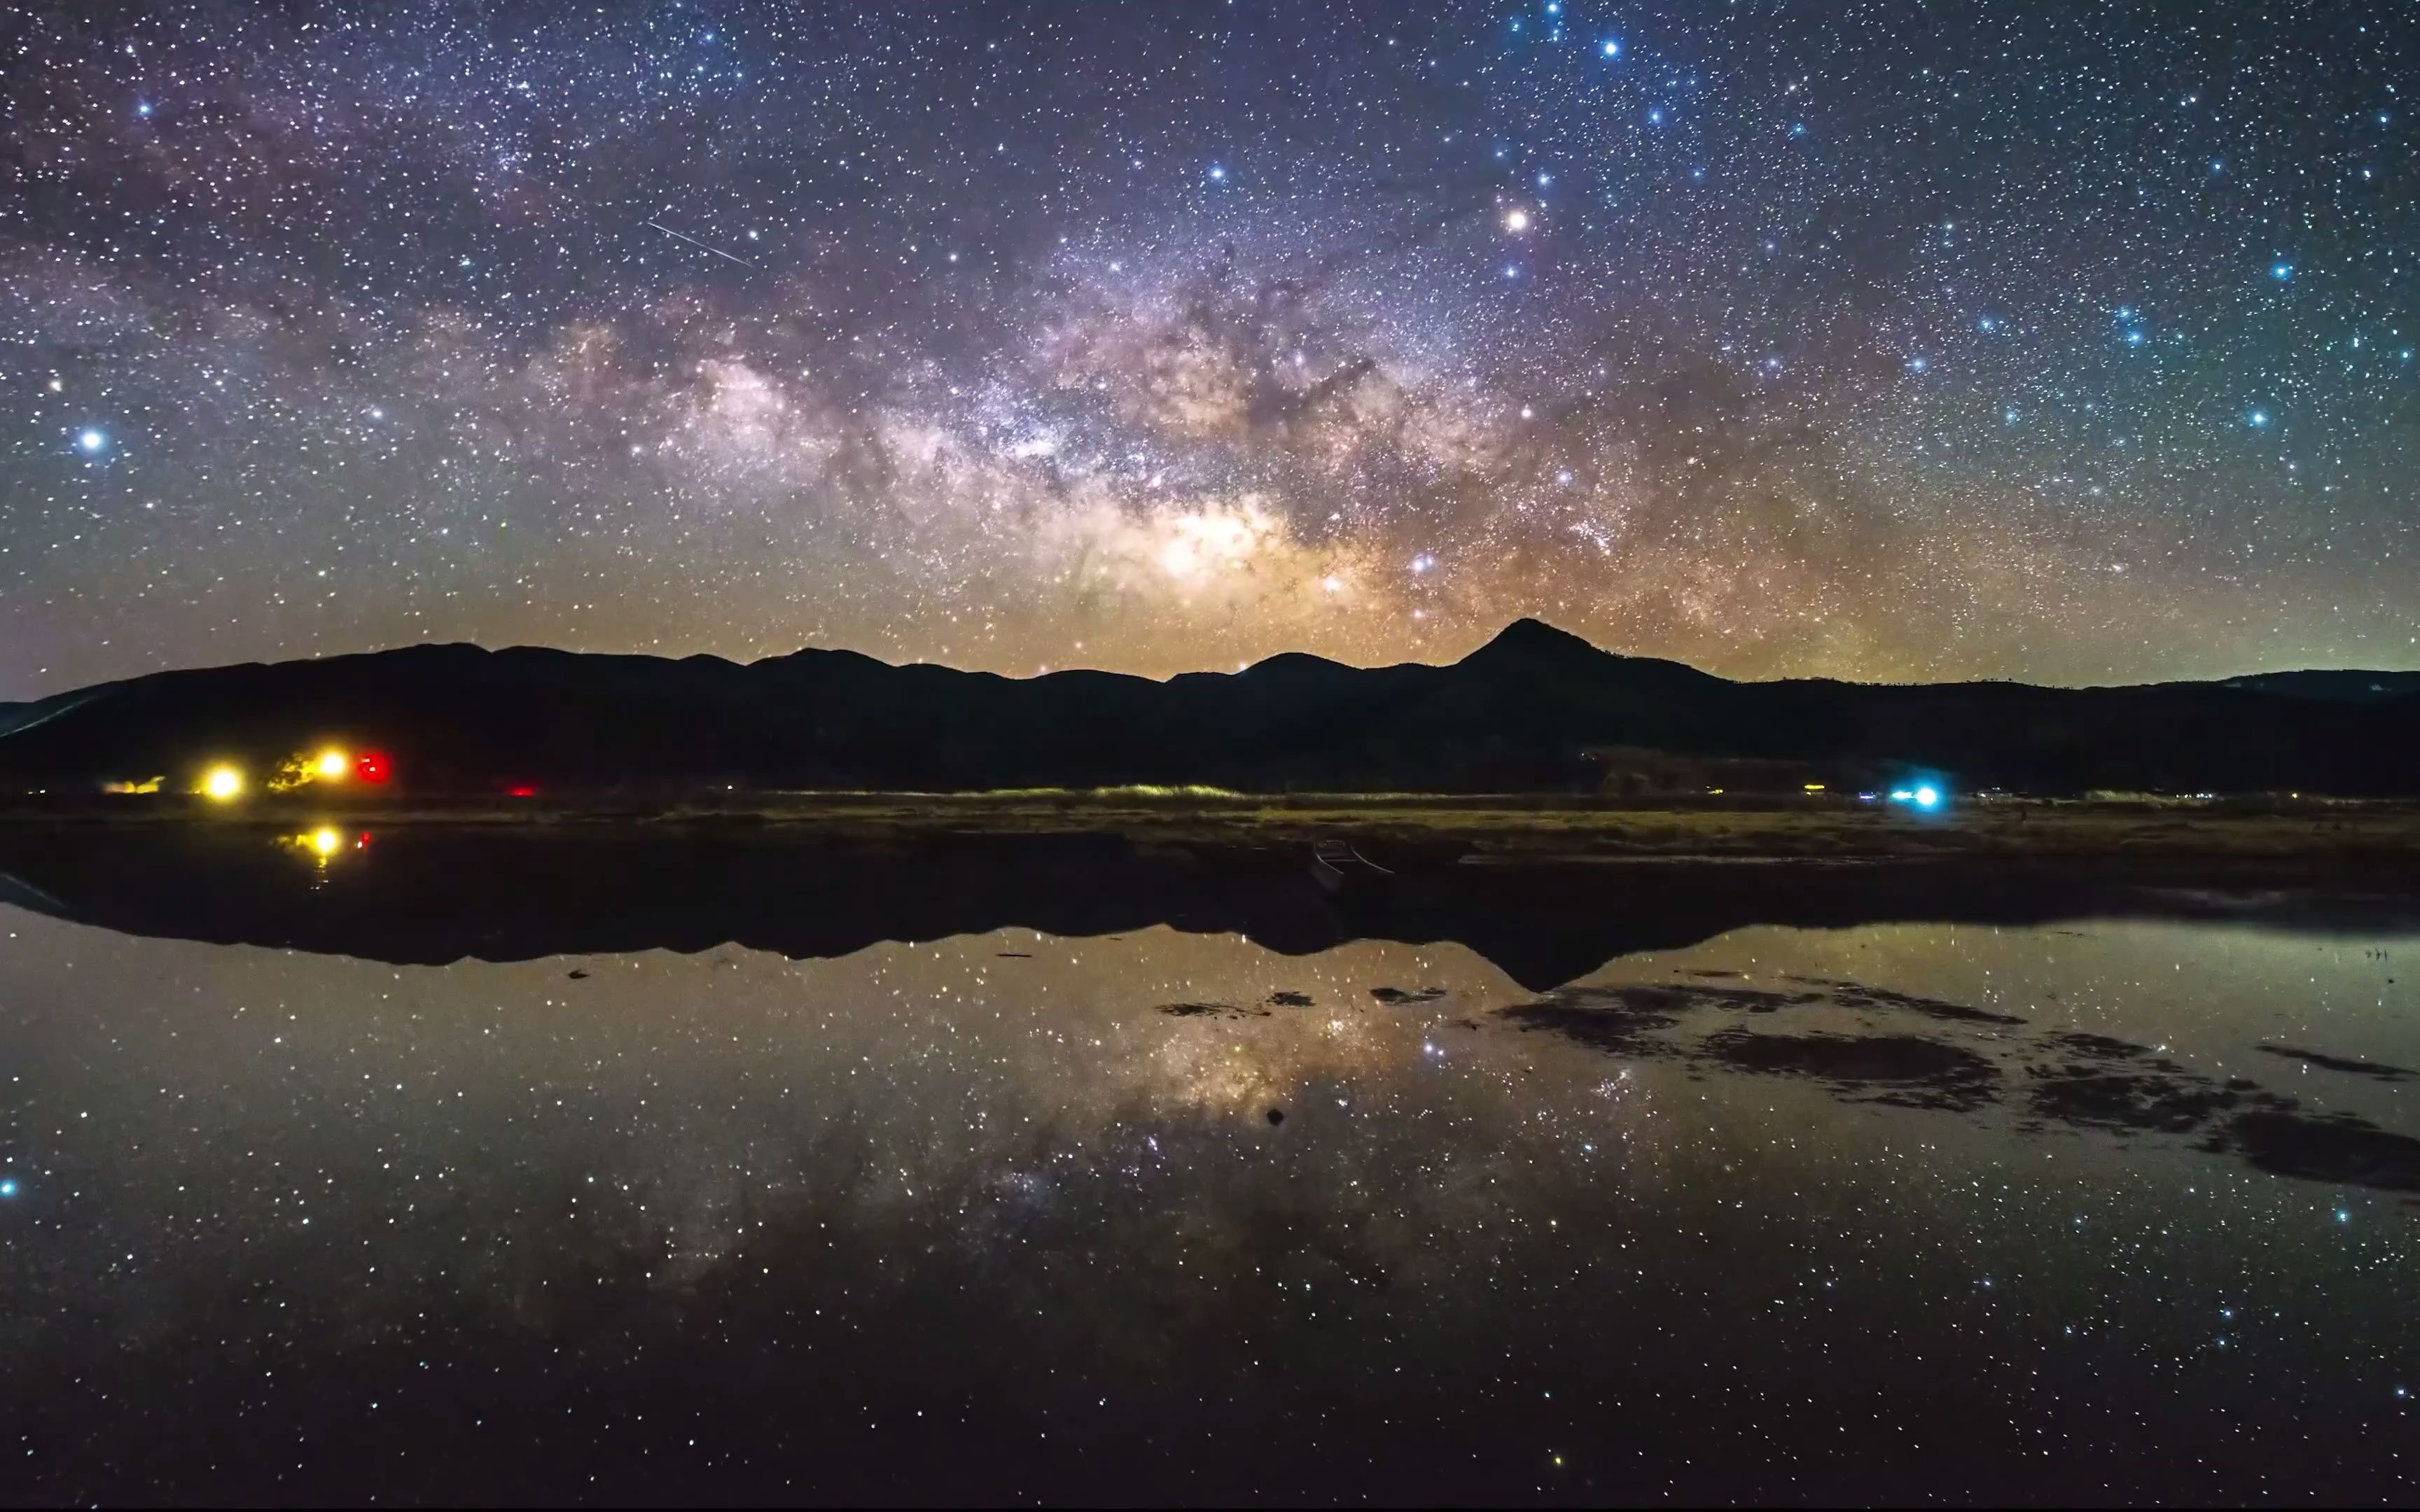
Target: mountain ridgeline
1535, 710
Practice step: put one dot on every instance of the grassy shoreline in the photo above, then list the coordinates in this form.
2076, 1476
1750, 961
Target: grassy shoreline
1531, 827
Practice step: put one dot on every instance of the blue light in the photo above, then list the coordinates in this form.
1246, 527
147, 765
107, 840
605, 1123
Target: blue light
9, 1187
2258, 419
1611, 47
1217, 174
1928, 796
92, 440
2281, 272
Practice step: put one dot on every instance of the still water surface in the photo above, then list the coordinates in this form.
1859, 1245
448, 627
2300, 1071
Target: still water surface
2098, 1209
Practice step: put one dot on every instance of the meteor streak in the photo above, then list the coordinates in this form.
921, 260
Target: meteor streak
699, 245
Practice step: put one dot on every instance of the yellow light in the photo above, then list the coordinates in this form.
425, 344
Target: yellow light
1814, 787
326, 840
222, 783
332, 765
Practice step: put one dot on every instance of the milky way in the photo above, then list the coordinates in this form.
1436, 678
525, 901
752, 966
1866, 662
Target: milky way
1882, 340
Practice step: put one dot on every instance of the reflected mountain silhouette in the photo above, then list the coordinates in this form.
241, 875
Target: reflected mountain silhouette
430, 895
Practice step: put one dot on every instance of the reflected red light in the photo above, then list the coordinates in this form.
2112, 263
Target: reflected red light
370, 766
522, 793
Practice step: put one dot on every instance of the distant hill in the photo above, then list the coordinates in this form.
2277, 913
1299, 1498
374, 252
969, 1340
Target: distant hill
2346, 686
1535, 709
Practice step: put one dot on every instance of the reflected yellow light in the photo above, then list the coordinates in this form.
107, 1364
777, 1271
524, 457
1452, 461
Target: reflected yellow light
222, 783
326, 841
332, 765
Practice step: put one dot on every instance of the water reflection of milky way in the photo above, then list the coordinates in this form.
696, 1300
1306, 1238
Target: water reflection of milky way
986, 1180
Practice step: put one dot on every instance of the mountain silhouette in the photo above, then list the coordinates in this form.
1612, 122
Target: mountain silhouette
1536, 709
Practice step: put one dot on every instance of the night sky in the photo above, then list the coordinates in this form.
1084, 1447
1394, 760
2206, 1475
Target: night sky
2068, 342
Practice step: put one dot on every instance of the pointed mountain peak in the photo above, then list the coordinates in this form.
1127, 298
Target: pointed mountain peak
1529, 638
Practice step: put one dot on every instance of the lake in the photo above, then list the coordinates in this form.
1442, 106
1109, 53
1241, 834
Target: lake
410, 1166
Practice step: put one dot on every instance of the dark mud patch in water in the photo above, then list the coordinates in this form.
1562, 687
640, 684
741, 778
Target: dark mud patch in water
1904, 1069
2103, 1082
2337, 1147
1928, 1053
1211, 1010
1856, 995
2343, 1063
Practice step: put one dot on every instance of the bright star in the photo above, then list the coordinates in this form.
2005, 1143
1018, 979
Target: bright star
1611, 47
7, 1188
1217, 174
92, 440
1516, 220
2281, 272
2259, 418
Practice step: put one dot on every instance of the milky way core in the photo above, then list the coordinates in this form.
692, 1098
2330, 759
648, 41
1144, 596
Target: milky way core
1898, 340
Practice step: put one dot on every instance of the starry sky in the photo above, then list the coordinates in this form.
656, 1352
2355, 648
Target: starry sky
1868, 338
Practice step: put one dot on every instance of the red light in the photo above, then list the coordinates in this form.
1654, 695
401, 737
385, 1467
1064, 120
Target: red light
370, 766
520, 792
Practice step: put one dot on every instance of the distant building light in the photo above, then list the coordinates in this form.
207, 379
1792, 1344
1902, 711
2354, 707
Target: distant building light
223, 782
370, 766
332, 765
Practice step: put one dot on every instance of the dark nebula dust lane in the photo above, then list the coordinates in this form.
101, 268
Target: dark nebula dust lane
1889, 341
